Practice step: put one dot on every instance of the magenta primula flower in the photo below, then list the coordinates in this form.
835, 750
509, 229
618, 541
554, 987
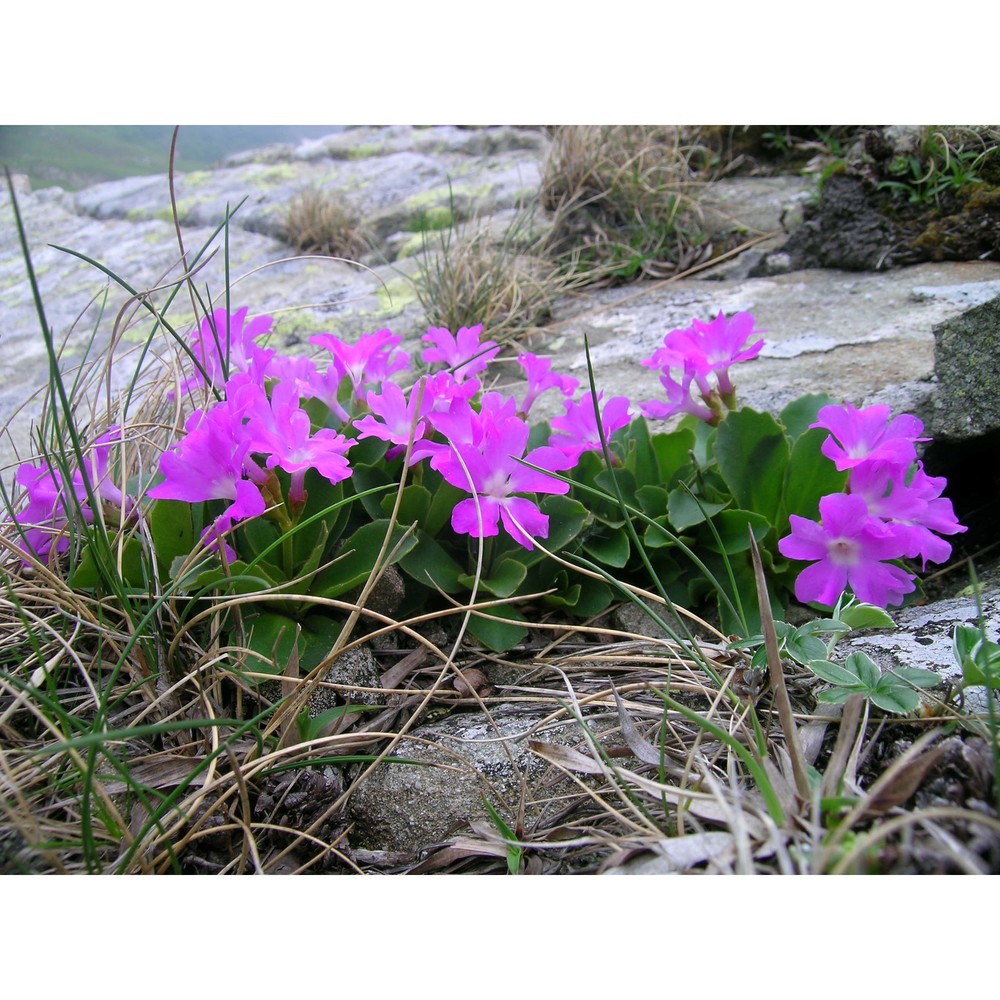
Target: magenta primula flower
541, 378
282, 430
713, 348
225, 344
52, 503
679, 399
211, 462
368, 363
462, 352
868, 435
398, 419
848, 548
916, 508
576, 430
486, 463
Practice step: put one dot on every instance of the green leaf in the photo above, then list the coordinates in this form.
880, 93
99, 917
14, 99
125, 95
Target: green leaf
88, 576
673, 455
372, 477
658, 535
171, 528
506, 575
978, 657
564, 594
684, 510
256, 536
800, 413
326, 498
413, 507
652, 500
499, 635
864, 668
609, 547
444, 499
917, 677
752, 453
567, 518
865, 616
895, 698
804, 648
836, 695
811, 476
428, 563
834, 673
357, 558
273, 636
732, 525
640, 458
311, 727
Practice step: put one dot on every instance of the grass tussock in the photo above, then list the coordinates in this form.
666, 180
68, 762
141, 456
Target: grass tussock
320, 221
506, 280
625, 199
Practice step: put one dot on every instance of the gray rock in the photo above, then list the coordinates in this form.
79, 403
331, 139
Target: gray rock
463, 757
924, 635
863, 337
967, 364
356, 676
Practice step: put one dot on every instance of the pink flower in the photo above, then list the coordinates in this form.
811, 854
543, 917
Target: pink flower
917, 509
396, 419
462, 353
210, 463
53, 504
679, 399
485, 462
283, 431
713, 347
541, 378
868, 436
847, 549
368, 363
224, 345
576, 430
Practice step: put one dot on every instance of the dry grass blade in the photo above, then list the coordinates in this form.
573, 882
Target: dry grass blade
777, 675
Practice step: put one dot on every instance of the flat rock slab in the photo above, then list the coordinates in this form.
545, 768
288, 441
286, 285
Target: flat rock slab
861, 337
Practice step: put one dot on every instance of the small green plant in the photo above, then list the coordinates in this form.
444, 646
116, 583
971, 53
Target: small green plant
895, 691
811, 645
944, 164
978, 657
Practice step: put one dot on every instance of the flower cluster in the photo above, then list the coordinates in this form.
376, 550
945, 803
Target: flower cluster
229, 451
55, 502
891, 510
699, 357
273, 414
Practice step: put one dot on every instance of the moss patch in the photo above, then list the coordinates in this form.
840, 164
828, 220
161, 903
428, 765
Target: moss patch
364, 151
279, 173
395, 295
431, 219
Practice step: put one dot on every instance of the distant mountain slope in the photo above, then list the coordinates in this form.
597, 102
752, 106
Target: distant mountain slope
75, 156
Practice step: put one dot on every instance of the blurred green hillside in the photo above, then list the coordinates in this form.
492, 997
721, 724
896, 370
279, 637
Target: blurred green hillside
75, 156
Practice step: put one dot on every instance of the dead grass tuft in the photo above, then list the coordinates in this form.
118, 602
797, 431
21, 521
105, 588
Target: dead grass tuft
320, 221
625, 199
506, 280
